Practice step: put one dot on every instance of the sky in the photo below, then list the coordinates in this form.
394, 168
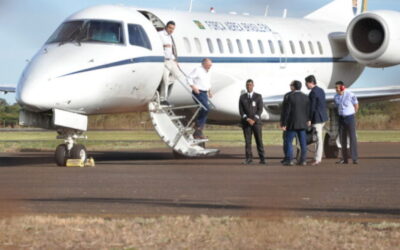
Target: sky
26, 24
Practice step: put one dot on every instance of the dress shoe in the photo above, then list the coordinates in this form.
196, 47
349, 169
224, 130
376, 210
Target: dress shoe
287, 163
342, 162
248, 162
263, 162
302, 163
315, 163
355, 162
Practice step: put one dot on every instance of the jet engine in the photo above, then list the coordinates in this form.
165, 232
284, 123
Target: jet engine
373, 38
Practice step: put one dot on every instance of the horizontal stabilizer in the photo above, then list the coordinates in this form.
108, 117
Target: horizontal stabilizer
362, 94
7, 89
370, 94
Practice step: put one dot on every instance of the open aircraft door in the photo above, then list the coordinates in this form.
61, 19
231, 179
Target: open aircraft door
281, 50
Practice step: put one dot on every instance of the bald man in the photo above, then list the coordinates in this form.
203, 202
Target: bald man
199, 80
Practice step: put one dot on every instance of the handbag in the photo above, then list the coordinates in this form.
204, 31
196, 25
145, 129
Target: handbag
311, 134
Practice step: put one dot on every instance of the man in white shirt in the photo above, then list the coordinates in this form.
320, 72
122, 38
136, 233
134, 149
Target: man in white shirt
171, 66
199, 80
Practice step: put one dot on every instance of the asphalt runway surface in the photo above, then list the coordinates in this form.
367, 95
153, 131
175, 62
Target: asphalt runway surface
153, 183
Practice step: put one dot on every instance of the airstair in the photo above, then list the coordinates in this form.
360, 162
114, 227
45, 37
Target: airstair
172, 130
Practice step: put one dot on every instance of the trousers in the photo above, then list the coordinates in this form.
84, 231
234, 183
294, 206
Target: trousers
170, 68
202, 97
320, 144
290, 134
248, 132
347, 127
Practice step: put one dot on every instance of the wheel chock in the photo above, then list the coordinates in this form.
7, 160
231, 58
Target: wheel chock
79, 163
75, 163
90, 162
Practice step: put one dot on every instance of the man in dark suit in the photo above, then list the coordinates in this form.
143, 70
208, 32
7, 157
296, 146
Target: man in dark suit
318, 114
250, 108
295, 122
284, 103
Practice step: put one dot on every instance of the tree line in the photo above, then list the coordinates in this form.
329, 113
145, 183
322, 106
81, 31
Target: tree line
380, 115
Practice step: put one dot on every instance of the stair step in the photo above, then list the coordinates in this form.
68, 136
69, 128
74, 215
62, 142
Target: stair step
174, 133
178, 117
199, 141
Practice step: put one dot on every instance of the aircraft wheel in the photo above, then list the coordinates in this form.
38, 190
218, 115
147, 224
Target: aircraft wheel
78, 151
331, 151
61, 155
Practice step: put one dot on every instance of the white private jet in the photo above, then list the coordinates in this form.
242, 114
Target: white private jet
109, 59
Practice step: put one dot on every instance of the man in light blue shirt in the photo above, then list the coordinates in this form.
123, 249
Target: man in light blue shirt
347, 105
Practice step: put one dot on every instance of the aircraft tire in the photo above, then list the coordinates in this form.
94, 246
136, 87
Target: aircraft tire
61, 155
79, 151
331, 151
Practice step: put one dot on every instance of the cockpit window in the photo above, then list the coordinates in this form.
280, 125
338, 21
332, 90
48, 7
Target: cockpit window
88, 31
138, 37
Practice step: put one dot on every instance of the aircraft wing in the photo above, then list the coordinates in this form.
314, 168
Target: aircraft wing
370, 94
362, 94
7, 89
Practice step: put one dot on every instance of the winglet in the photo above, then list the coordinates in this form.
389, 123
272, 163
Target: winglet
7, 89
339, 11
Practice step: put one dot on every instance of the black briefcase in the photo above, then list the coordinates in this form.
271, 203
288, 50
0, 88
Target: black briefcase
312, 137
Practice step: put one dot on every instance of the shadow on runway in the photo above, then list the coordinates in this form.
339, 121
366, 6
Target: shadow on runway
31, 159
195, 204
381, 211
23, 160
151, 202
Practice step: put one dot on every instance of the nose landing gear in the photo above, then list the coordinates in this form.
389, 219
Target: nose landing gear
70, 149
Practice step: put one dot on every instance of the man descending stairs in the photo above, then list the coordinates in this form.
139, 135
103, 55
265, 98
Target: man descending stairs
170, 127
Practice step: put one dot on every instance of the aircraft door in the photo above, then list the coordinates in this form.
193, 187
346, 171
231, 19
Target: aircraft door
281, 50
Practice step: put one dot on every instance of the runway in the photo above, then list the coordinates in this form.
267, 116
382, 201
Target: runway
152, 182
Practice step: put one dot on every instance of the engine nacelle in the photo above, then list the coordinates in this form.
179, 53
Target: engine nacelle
373, 38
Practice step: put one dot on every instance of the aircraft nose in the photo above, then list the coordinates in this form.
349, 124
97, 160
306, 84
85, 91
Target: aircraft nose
31, 96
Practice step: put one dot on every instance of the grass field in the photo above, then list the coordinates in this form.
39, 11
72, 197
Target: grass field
137, 139
184, 232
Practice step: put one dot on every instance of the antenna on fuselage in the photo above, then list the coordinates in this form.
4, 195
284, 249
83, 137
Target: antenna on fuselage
266, 10
284, 14
190, 5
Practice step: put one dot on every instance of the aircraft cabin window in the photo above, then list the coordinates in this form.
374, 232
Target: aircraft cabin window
292, 47
230, 46
220, 46
187, 45
303, 49
311, 47
271, 46
88, 31
210, 45
261, 45
321, 51
281, 48
198, 44
239, 44
250, 45
138, 37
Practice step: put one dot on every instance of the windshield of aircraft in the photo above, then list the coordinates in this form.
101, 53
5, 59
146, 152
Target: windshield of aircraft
88, 31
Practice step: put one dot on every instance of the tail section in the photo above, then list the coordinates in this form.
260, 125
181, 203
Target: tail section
339, 11
359, 6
